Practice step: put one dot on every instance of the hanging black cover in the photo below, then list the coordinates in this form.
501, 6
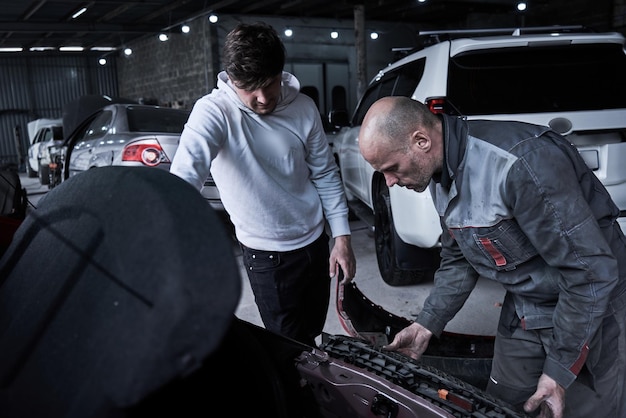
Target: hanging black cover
122, 280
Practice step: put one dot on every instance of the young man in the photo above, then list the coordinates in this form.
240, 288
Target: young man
263, 142
519, 206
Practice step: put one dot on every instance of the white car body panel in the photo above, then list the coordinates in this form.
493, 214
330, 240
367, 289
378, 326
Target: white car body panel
35, 129
414, 216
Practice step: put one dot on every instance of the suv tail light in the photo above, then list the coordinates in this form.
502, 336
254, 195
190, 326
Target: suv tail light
147, 152
436, 105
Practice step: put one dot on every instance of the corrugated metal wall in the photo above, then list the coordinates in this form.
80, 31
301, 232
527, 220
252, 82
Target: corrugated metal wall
33, 87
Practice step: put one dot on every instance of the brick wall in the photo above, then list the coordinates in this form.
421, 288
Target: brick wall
172, 73
184, 68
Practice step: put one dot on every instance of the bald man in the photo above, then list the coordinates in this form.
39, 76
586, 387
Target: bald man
519, 206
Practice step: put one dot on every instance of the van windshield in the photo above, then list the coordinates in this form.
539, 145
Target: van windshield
538, 79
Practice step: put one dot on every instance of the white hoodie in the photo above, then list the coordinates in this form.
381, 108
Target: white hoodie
275, 173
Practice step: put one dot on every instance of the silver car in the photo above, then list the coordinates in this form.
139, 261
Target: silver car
131, 135
127, 134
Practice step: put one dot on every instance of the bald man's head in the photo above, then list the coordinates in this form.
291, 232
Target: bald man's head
402, 139
378, 132
394, 117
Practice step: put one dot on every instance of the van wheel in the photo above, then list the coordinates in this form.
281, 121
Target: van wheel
44, 174
387, 241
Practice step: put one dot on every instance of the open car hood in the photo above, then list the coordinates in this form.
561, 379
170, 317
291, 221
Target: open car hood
76, 111
121, 304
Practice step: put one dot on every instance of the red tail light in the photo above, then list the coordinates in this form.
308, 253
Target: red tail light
436, 105
148, 153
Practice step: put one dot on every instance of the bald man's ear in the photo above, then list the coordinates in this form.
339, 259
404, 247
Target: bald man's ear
421, 140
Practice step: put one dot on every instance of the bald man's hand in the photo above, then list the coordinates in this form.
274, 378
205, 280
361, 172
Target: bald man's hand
549, 398
412, 341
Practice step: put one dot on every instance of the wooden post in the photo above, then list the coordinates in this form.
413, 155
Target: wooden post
361, 53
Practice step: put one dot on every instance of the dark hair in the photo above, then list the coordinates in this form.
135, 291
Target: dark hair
253, 55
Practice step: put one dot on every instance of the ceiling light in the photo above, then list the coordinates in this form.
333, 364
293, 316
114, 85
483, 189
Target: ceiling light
213, 18
102, 61
288, 32
71, 48
521, 6
41, 48
11, 49
103, 48
79, 12
185, 28
334, 34
374, 35
128, 52
163, 37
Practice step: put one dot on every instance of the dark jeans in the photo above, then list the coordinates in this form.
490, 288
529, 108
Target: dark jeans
291, 289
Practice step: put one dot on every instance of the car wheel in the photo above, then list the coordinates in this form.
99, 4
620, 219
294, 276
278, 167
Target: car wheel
44, 174
387, 244
31, 173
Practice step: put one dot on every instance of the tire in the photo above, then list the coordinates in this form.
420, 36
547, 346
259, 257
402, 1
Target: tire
387, 242
44, 174
31, 173
54, 178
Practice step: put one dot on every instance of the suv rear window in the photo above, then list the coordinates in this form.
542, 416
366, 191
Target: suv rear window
399, 82
537, 79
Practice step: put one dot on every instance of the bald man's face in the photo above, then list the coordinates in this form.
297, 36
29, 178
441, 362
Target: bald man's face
406, 162
405, 168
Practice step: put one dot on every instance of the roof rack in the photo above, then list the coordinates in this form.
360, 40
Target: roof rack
427, 38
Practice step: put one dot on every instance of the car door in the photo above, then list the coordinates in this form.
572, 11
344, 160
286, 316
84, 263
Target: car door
355, 171
33, 150
85, 143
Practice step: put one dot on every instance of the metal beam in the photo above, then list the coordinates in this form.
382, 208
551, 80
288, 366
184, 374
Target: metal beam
73, 27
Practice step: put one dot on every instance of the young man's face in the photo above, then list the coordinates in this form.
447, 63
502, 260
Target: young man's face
262, 100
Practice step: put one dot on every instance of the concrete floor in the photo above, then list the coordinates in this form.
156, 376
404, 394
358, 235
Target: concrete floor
478, 316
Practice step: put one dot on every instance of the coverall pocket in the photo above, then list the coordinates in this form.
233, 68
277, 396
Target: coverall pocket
504, 246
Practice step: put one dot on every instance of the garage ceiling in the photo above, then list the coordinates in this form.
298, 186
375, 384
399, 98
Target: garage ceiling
34, 23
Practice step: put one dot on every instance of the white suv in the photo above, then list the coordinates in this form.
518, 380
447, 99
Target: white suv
567, 78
